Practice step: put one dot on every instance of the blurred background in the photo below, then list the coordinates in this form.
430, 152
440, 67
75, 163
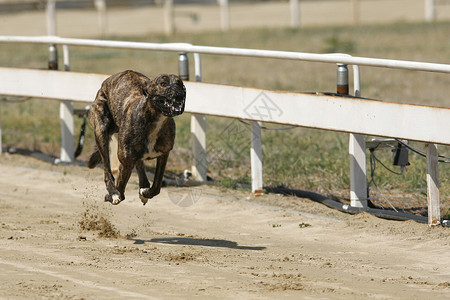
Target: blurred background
94, 18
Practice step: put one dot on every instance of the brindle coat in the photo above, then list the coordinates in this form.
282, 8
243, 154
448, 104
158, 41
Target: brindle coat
139, 112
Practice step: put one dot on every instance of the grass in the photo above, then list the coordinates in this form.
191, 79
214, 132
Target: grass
298, 158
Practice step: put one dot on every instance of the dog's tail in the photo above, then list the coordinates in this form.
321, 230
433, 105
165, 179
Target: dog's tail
95, 159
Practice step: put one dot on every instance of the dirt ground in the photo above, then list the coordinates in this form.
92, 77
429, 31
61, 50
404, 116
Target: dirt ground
59, 240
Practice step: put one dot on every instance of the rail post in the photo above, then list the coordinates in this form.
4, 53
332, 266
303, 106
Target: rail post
66, 120
224, 15
50, 12
52, 57
357, 150
430, 10
183, 66
198, 122
342, 79
356, 11
1, 129
434, 213
256, 158
100, 5
295, 19
169, 17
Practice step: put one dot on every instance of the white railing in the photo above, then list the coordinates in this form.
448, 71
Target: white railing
419, 123
188, 48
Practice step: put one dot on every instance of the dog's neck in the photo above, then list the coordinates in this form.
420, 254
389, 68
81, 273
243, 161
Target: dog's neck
159, 117
154, 132
159, 120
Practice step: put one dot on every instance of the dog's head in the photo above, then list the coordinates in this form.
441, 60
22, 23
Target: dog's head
168, 94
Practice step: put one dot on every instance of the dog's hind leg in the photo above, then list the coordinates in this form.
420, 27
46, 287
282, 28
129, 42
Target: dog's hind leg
102, 122
146, 193
113, 147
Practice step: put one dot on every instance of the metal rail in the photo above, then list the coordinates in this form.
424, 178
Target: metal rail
183, 47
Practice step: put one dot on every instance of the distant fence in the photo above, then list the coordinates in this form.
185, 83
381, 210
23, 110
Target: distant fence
413, 122
292, 12
294, 7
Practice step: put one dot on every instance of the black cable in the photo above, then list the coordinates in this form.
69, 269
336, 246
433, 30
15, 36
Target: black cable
373, 159
390, 170
387, 214
422, 153
372, 173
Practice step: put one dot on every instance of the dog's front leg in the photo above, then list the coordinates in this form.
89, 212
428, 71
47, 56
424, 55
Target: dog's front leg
122, 180
144, 184
145, 192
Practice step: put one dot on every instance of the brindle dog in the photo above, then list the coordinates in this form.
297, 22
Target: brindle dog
139, 111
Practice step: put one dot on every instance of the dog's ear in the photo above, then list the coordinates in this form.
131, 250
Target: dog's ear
175, 79
151, 86
159, 84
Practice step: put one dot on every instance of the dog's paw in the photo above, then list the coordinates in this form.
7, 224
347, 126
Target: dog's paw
113, 199
108, 198
116, 199
148, 192
144, 199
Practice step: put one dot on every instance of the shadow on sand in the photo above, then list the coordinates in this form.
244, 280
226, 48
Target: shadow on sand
197, 242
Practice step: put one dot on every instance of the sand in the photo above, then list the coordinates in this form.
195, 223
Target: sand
59, 240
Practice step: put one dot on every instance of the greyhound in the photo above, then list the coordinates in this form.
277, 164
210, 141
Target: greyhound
138, 112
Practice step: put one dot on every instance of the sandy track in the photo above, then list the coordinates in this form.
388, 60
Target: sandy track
223, 246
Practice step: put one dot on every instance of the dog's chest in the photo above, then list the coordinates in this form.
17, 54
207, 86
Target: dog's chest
153, 135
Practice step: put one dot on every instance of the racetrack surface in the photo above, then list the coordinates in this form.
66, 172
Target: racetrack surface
59, 240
